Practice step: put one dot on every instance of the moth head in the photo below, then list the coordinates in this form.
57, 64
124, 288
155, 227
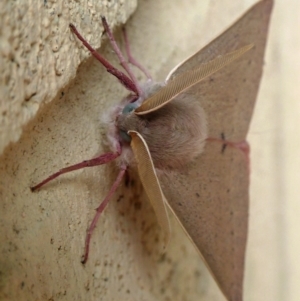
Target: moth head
126, 121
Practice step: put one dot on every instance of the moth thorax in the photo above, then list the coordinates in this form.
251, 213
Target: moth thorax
175, 133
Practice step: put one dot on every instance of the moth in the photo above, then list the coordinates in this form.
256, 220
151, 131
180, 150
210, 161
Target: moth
186, 137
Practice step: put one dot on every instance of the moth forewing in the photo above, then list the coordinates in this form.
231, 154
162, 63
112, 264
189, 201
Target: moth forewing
240, 33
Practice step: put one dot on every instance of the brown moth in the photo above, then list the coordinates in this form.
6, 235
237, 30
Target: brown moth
186, 137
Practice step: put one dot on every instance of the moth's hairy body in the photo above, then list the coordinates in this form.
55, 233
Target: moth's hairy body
175, 134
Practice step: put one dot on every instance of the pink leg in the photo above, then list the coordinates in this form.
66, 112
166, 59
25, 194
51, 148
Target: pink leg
131, 59
120, 55
99, 210
122, 77
242, 146
103, 159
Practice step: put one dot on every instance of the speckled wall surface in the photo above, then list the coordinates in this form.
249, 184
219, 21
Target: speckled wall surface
38, 56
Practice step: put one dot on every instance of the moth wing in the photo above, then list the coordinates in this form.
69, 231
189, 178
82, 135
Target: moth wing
211, 203
210, 196
233, 38
150, 181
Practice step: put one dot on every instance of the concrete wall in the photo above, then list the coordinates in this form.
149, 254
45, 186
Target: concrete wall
42, 234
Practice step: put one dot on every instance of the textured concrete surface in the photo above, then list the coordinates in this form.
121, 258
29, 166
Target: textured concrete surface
38, 56
42, 234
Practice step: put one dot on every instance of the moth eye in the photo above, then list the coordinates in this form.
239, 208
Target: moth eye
124, 136
129, 108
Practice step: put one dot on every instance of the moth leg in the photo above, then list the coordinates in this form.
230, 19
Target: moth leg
131, 59
100, 209
122, 77
120, 56
243, 146
103, 159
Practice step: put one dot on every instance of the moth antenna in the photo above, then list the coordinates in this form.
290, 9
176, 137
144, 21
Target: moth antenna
122, 60
103, 159
122, 77
150, 181
99, 210
131, 59
187, 79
